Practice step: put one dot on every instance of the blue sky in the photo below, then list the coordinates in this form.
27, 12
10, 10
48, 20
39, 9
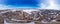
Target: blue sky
21, 3
24, 3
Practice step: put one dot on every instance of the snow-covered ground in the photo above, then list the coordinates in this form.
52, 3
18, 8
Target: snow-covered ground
18, 23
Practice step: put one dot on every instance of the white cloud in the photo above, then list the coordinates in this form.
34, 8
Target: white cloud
52, 5
4, 7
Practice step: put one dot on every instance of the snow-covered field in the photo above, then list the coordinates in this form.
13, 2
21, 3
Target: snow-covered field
18, 23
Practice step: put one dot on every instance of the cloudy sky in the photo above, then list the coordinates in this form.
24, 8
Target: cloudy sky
4, 4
